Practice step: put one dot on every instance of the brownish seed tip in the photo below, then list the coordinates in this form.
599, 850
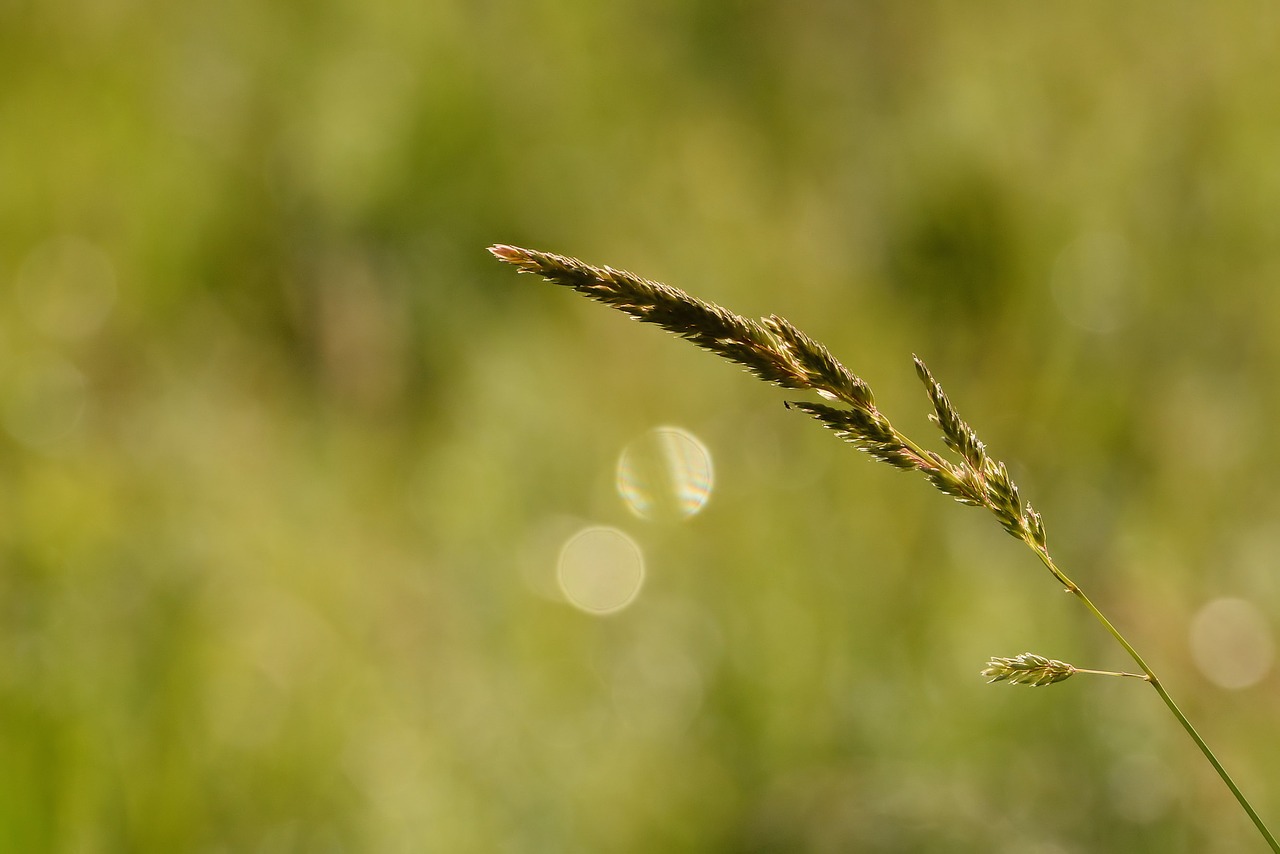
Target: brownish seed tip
510, 254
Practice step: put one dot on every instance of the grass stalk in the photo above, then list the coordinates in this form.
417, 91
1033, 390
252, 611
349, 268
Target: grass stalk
1168, 701
779, 353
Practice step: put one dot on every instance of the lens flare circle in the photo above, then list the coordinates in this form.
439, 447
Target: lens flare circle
1232, 643
665, 474
600, 570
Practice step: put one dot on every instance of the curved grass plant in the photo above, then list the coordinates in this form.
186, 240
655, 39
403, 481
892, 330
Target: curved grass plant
779, 353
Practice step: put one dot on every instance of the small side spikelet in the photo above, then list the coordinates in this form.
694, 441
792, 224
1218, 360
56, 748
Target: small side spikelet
1028, 669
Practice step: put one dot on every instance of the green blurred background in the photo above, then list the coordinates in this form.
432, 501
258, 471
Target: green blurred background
288, 460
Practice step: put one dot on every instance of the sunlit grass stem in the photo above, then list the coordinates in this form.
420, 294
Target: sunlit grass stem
779, 353
1168, 701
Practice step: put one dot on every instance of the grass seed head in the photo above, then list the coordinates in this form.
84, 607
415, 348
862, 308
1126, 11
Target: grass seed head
1028, 669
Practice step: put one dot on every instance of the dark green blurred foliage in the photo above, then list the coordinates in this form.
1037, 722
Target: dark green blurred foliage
287, 458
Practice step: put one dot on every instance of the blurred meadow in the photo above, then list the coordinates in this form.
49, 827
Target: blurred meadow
310, 510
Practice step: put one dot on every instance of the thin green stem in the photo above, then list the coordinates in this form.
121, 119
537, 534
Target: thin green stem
1164, 695
1112, 673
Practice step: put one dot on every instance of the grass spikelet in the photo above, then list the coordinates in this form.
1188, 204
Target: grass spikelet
866, 430
958, 435
771, 349
824, 371
1028, 669
778, 352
